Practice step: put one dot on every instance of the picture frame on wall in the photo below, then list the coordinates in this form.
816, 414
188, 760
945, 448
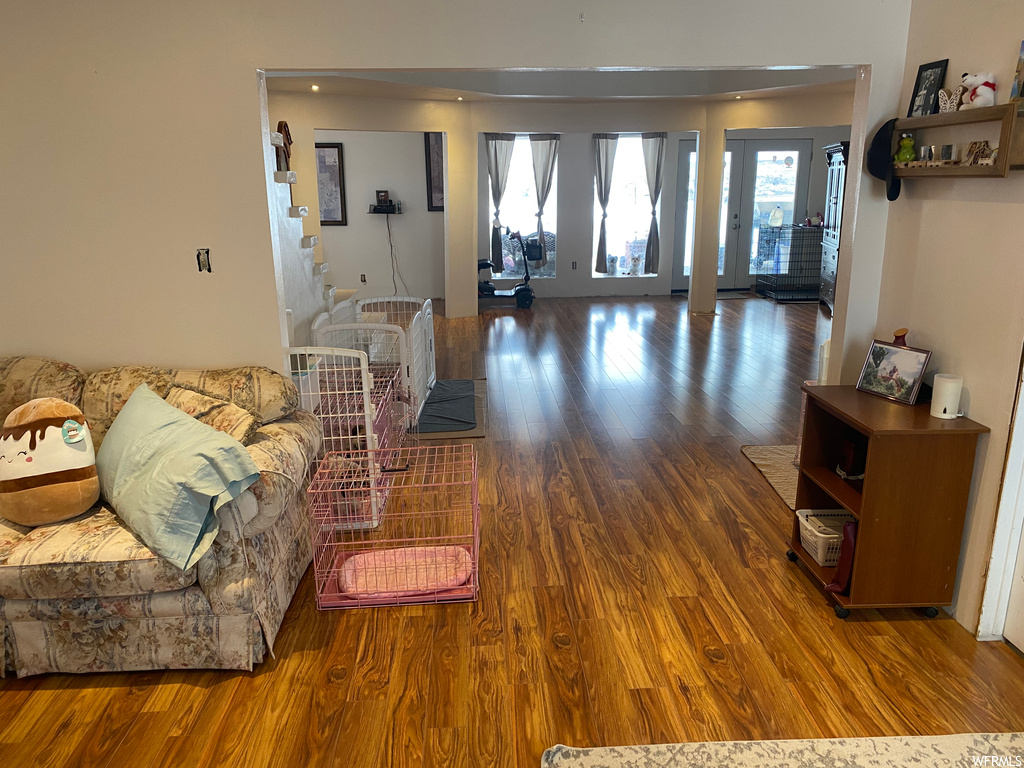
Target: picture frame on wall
930, 79
330, 183
893, 372
433, 149
1017, 89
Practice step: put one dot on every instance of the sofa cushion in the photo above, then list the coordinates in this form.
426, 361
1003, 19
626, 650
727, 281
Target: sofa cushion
93, 555
256, 389
26, 378
222, 415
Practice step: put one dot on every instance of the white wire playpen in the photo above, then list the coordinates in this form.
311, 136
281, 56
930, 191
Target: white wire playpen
411, 317
358, 394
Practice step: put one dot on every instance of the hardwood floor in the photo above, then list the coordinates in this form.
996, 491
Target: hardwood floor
635, 587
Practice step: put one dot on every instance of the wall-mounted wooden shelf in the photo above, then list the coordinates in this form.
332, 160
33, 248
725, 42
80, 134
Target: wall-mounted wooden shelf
1011, 140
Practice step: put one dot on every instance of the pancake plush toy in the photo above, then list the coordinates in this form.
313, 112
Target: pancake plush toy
47, 463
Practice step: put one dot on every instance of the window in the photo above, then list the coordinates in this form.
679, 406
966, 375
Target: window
629, 210
723, 216
691, 214
519, 213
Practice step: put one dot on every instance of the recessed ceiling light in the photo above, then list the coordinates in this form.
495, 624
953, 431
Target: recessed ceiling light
315, 87
739, 97
459, 98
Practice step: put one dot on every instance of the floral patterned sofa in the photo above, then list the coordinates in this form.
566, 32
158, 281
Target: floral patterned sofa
87, 596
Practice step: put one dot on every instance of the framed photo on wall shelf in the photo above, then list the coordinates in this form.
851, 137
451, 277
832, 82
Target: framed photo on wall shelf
893, 372
433, 147
1017, 90
930, 79
330, 184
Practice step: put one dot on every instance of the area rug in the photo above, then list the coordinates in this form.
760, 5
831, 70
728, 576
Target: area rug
479, 417
958, 750
775, 462
725, 295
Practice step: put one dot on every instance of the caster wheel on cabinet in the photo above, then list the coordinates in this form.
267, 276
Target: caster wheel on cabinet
841, 612
791, 556
931, 613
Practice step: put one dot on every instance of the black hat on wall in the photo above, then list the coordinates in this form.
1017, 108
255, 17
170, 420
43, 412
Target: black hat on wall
879, 159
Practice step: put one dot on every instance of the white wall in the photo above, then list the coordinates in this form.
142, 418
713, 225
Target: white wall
135, 138
308, 113
393, 161
300, 283
954, 270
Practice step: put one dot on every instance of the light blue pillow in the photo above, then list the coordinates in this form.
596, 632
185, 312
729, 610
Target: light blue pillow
166, 475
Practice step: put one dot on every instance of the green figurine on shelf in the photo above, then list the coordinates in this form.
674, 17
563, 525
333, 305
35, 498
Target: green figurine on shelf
906, 150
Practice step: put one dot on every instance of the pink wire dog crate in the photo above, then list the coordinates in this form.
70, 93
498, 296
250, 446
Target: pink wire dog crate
426, 547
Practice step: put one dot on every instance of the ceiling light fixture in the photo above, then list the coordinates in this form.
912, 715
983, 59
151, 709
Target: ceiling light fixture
315, 87
459, 98
739, 97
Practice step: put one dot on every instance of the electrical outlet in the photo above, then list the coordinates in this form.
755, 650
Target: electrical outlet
574, 265
362, 278
203, 259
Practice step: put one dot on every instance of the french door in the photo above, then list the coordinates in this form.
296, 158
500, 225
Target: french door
760, 177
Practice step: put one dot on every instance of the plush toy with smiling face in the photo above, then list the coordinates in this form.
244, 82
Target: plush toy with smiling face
979, 90
47, 463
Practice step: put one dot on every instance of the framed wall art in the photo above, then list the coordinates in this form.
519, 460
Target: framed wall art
433, 145
330, 183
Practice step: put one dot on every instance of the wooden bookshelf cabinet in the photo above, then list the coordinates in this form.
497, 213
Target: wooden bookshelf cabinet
910, 509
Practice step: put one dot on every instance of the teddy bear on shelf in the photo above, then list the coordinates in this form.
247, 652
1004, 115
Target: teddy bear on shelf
979, 90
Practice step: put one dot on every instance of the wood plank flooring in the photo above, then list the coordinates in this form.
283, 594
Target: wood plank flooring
634, 585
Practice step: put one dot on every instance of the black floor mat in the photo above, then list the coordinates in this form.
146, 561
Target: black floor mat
449, 408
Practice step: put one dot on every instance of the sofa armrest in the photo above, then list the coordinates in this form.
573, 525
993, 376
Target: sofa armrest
223, 572
283, 451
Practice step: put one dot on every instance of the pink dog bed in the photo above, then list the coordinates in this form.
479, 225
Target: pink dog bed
404, 571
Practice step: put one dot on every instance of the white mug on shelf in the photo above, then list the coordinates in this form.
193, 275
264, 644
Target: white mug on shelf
946, 395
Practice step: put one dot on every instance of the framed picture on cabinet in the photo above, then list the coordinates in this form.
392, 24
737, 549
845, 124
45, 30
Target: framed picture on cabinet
893, 372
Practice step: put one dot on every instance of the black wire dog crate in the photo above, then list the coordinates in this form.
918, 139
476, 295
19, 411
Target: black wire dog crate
788, 263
